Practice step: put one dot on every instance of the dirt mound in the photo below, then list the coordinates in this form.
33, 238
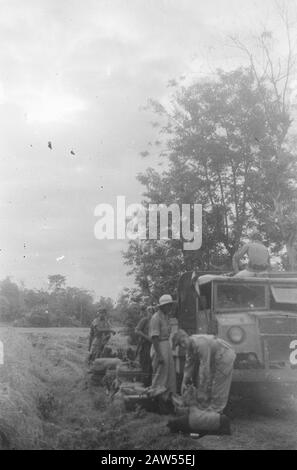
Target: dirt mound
42, 369
20, 424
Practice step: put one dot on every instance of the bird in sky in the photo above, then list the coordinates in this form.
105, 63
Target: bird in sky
49, 144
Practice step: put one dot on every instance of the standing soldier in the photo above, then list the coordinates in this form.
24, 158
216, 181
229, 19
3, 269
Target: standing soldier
100, 333
144, 347
161, 353
209, 365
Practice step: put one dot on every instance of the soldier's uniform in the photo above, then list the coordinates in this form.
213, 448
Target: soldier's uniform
100, 333
163, 374
144, 351
258, 256
215, 359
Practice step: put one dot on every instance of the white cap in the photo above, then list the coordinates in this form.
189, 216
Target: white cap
165, 299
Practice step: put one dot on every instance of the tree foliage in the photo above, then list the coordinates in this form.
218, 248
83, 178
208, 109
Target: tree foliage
226, 145
59, 305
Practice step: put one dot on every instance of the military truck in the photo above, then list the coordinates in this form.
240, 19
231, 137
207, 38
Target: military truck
257, 316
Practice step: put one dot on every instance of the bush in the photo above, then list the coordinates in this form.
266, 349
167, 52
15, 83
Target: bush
67, 321
21, 322
39, 319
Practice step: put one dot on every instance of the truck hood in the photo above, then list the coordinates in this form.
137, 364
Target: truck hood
248, 318
226, 319
273, 313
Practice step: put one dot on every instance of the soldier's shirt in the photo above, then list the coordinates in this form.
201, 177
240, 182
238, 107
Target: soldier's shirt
258, 254
203, 348
160, 326
100, 324
143, 326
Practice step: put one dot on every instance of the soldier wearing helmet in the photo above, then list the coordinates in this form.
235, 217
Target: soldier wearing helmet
161, 352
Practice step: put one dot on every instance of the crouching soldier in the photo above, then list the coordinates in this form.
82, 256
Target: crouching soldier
100, 333
209, 366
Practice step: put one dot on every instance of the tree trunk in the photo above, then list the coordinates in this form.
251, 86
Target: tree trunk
291, 247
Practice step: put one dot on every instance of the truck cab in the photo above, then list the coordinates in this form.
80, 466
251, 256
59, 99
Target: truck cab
257, 316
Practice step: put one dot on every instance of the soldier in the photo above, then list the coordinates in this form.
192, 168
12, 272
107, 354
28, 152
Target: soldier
144, 347
100, 333
258, 256
161, 353
209, 365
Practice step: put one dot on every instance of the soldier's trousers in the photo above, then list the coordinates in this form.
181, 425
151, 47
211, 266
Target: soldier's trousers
146, 363
222, 379
98, 346
163, 374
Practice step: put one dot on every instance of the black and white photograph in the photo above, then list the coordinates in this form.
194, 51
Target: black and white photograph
148, 214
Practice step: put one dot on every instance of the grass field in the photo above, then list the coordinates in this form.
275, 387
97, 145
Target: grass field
47, 402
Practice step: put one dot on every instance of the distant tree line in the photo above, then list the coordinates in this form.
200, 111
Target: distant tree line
58, 305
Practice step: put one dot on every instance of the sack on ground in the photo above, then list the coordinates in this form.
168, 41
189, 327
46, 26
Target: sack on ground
203, 420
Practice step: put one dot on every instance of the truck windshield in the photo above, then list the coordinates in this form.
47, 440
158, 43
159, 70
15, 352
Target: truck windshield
240, 296
284, 294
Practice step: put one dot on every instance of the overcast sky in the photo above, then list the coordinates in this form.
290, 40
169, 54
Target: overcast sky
77, 73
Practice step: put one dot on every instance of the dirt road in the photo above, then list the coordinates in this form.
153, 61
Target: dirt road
47, 402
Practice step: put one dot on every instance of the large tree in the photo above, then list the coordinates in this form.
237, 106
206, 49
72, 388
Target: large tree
225, 144
275, 183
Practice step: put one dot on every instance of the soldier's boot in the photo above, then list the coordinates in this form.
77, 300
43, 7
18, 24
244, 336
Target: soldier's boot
180, 424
